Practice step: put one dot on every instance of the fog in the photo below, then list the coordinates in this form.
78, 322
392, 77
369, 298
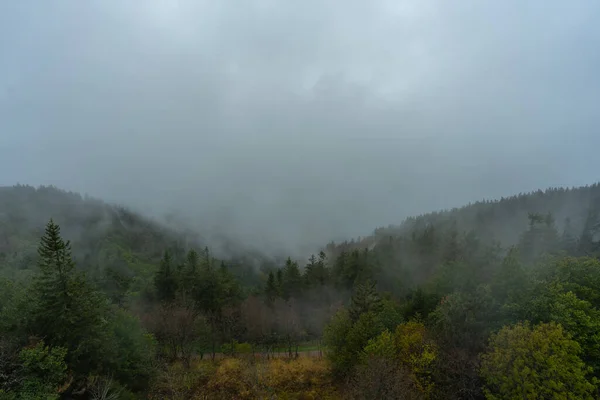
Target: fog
286, 125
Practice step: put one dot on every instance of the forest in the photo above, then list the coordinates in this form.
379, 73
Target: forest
495, 300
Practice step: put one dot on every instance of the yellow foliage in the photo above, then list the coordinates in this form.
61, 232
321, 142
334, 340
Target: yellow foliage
234, 378
417, 353
301, 379
296, 375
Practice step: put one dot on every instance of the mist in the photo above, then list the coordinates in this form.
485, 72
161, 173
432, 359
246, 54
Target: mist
285, 126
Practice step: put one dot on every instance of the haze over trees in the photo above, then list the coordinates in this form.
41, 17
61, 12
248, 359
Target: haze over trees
299, 200
430, 308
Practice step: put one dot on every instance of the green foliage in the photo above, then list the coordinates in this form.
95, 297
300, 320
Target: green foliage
535, 363
411, 350
292, 283
465, 320
365, 299
541, 237
511, 279
339, 352
66, 310
350, 330
578, 317
131, 356
43, 372
390, 314
442, 268
165, 280
420, 303
579, 275
271, 290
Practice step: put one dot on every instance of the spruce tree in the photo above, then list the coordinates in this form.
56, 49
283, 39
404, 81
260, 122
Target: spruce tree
587, 245
323, 273
188, 279
271, 289
292, 280
568, 241
365, 299
311, 271
165, 280
67, 311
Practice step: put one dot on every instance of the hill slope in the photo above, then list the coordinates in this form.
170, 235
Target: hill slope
102, 235
412, 253
109, 236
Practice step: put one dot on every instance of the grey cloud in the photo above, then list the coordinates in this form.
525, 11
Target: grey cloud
287, 124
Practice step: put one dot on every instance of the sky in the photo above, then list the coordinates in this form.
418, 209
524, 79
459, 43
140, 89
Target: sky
287, 124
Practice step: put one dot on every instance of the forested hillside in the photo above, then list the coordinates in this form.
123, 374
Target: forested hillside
109, 241
499, 299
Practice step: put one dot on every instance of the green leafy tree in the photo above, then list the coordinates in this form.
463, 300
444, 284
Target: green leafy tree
411, 350
581, 275
511, 280
351, 329
44, 372
130, 357
549, 302
346, 339
535, 363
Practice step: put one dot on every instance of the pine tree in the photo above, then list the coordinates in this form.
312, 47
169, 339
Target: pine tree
279, 281
323, 272
568, 241
271, 290
540, 238
165, 280
587, 245
189, 276
292, 279
452, 251
67, 311
310, 271
365, 299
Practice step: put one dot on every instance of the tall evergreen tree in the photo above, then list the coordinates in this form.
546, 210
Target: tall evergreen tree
310, 271
588, 245
165, 280
292, 279
271, 290
365, 299
188, 279
568, 240
67, 311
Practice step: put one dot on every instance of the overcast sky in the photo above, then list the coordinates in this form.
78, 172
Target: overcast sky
295, 122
